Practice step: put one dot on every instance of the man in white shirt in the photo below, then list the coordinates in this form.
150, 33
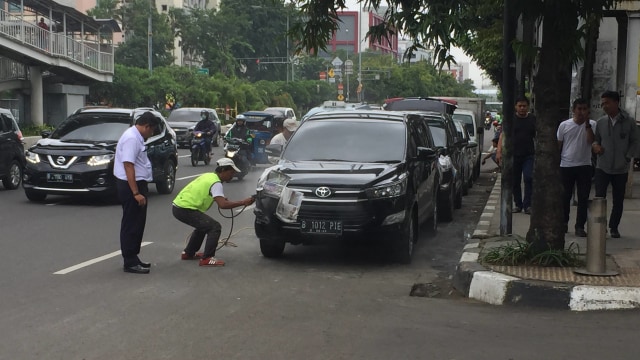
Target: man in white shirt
132, 170
575, 137
289, 126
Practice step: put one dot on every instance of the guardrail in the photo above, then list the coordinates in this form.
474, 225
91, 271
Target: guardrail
93, 55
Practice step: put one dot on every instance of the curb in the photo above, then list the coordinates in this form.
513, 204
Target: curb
477, 282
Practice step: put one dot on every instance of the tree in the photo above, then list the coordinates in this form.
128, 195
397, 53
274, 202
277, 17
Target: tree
133, 52
441, 24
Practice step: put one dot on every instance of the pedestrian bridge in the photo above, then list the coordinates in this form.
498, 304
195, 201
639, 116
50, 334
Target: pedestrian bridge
63, 55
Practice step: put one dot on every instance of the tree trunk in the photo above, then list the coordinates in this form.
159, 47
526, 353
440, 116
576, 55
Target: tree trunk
552, 92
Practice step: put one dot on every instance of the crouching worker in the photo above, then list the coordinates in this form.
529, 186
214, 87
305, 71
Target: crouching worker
190, 207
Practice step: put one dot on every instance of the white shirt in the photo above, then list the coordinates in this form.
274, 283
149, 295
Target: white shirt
131, 149
576, 151
216, 190
278, 140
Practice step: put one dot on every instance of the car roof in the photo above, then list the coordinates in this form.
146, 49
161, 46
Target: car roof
193, 109
361, 114
463, 111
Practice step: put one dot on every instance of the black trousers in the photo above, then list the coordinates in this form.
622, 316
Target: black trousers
203, 225
618, 184
580, 177
134, 218
522, 170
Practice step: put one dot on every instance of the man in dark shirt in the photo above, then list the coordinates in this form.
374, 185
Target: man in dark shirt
524, 133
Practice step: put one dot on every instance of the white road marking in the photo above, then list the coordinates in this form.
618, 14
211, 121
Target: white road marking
184, 156
189, 177
93, 261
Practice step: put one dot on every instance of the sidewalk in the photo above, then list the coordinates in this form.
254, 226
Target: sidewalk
553, 287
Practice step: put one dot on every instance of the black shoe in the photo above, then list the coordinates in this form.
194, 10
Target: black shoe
136, 269
527, 211
516, 210
615, 233
580, 232
144, 264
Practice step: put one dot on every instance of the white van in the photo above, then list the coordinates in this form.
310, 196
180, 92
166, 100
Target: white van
471, 123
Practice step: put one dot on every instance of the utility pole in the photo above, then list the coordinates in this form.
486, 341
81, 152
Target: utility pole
360, 97
288, 59
508, 97
150, 38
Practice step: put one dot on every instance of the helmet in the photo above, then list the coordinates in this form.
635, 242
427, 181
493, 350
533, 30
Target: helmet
204, 114
240, 118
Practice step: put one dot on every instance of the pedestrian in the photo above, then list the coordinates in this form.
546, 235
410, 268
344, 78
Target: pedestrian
43, 25
575, 137
492, 153
289, 126
190, 207
43, 37
524, 133
616, 142
132, 170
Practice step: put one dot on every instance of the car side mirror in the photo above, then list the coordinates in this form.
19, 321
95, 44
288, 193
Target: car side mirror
273, 149
461, 142
425, 154
472, 144
442, 151
45, 133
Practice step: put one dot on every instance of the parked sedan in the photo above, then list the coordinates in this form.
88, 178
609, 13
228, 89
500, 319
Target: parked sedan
468, 155
77, 158
350, 174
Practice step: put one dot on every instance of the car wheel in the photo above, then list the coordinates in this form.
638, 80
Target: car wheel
35, 195
403, 247
271, 248
215, 141
195, 154
169, 181
445, 206
14, 177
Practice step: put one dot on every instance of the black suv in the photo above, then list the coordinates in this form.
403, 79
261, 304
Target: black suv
353, 173
77, 158
11, 151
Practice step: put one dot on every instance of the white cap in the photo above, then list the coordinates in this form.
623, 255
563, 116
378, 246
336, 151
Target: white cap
228, 162
290, 124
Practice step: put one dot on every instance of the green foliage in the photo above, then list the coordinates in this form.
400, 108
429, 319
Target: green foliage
520, 252
35, 130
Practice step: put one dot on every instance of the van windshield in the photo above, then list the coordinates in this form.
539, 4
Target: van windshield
468, 122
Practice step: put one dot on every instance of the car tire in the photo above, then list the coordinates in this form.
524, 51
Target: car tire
169, 180
216, 142
272, 248
14, 177
403, 247
36, 196
445, 206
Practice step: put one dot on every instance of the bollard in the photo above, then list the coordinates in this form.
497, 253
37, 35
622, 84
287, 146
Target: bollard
597, 240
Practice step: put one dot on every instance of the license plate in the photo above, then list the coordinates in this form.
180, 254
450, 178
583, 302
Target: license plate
333, 227
60, 178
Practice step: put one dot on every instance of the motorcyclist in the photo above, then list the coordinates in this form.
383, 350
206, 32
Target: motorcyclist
208, 127
240, 131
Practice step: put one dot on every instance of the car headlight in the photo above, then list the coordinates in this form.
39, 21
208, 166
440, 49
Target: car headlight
32, 157
445, 162
98, 160
394, 189
262, 142
272, 182
231, 153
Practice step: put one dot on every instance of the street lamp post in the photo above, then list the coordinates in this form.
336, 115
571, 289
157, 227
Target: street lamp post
360, 55
150, 38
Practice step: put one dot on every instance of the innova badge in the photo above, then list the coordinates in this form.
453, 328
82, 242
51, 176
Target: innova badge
323, 192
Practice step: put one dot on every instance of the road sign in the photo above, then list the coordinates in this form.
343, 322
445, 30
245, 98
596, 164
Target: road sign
348, 67
340, 86
331, 73
336, 62
340, 97
323, 75
203, 71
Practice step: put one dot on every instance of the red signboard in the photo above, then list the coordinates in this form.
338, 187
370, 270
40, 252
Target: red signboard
340, 86
323, 75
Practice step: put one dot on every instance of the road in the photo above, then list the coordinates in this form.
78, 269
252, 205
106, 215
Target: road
318, 302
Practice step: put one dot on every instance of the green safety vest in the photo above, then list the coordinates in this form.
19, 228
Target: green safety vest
196, 195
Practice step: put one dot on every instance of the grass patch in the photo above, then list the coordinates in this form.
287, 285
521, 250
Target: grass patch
520, 253
35, 130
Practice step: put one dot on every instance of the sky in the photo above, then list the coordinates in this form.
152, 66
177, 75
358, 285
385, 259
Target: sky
475, 73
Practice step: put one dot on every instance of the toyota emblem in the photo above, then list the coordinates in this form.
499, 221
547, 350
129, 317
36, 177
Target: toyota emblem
323, 192
60, 160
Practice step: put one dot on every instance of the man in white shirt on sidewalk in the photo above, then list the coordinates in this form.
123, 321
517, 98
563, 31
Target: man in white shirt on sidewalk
288, 128
575, 137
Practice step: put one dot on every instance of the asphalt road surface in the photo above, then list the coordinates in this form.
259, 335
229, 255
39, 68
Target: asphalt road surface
63, 294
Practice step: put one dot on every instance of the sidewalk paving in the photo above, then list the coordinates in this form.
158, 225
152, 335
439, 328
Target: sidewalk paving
553, 287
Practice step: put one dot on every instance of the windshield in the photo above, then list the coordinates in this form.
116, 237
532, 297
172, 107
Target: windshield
350, 141
92, 127
438, 133
184, 116
467, 120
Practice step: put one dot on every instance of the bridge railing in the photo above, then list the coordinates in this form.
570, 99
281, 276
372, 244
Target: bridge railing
91, 54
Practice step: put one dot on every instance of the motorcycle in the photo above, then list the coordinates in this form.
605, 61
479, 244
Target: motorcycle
199, 148
487, 122
234, 151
